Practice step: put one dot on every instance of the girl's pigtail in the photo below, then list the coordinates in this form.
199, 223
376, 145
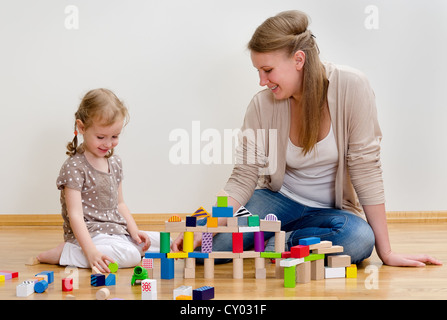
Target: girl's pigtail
73, 145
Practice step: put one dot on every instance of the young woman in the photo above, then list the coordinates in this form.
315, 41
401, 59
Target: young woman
322, 174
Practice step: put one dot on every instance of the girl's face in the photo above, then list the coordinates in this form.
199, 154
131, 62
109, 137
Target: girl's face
100, 139
281, 73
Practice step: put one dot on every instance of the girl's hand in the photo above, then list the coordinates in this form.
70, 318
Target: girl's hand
177, 244
409, 260
141, 237
99, 260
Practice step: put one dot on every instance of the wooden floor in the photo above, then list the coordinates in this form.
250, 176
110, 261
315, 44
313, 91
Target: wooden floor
375, 281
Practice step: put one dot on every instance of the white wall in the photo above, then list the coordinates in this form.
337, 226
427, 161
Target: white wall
179, 61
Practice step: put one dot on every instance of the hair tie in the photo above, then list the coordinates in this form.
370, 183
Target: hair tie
76, 133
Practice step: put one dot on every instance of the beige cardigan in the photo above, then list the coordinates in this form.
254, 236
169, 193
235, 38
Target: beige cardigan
261, 160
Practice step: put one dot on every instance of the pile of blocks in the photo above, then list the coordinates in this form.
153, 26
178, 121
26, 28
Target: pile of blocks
302, 263
37, 284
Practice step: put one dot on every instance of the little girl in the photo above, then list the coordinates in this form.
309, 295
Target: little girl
98, 227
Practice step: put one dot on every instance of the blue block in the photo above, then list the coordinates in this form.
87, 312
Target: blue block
97, 280
308, 241
203, 255
49, 274
223, 212
167, 268
155, 255
40, 286
203, 293
191, 221
111, 280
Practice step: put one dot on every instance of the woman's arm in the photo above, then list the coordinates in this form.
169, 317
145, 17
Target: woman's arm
376, 216
96, 259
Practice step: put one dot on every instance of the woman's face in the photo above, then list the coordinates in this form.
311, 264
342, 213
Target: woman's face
281, 73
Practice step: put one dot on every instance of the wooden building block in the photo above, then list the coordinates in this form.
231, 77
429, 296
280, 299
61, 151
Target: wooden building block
290, 262
279, 271
182, 290
203, 293
189, 273
232, 222
207, 242
48, 274
330, 273
40, 286
208, 268
259, 241
303, 273
333, 249
238, 268
223, 255
102, 294
238, 242
253, 221
290, 277
165, 242
317, 269
188, 241
222, 212
339, 261
110, 280
67, 284
299, 251
308, 241
167, 268
211, 222
272, 226
261, 273
351, 271
321, 244
179, 226
248, 229
25, 289
249, 254
97, 280
280, 241
191, 222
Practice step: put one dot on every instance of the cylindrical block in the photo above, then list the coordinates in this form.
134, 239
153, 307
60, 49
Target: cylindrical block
188, 241
40, 286
165, 242
238, 268
103, 294
208, 268
259, 241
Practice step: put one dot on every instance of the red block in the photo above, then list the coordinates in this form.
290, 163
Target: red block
14, 274
299, 251
238, 243
67, 284
286, 254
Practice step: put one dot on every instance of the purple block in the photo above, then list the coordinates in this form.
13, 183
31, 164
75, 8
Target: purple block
259, 241
8, 276
207, 242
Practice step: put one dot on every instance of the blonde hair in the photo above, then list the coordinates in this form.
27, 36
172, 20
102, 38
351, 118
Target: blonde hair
100, 105
288, 31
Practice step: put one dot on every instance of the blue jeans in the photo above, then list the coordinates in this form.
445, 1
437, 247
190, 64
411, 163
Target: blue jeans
298, 221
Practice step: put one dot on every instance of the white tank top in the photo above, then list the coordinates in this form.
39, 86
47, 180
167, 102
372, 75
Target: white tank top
310, 179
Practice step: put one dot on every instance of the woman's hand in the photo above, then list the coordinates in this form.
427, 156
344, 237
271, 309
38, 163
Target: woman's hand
408, 260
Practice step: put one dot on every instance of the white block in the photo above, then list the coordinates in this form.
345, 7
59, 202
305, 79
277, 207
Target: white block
334, 272
289, 262
149, 295
25, 289
148, 285
249, 229
182, 290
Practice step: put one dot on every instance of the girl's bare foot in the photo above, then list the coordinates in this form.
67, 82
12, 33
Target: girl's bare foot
51, 256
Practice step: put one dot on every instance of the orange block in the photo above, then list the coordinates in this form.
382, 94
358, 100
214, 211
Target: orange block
174, 218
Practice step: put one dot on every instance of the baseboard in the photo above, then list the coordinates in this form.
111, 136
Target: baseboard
158, 219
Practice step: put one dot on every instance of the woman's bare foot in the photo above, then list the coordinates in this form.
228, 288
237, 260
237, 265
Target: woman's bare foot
51, 256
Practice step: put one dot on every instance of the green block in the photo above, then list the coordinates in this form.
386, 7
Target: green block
165, 242
289, 277
113, 267
253, 221
139, 273
270, 255
222, 201
314, 256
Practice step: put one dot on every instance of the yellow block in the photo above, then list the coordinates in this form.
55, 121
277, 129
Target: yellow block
183, 297
188, 241
351, 271
177, 255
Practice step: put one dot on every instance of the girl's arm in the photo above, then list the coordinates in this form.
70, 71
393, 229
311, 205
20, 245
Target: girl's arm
132, 228
376, 216
96, 259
